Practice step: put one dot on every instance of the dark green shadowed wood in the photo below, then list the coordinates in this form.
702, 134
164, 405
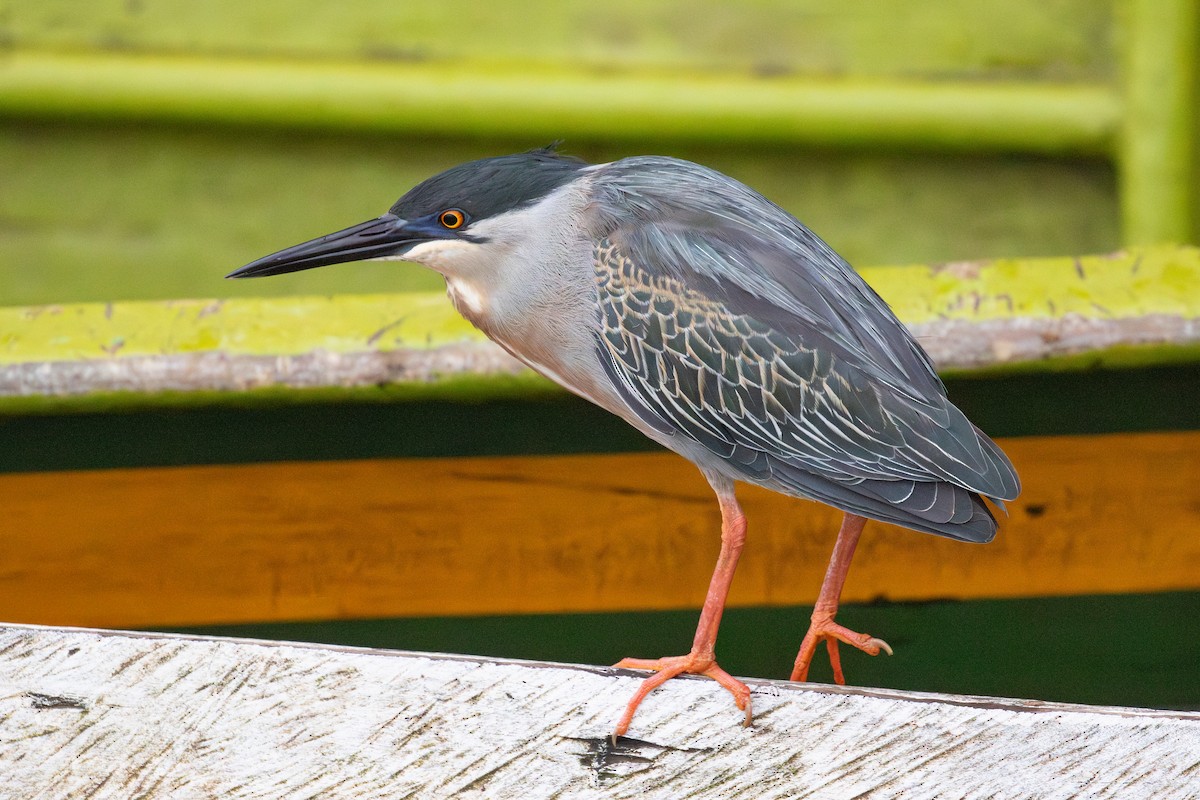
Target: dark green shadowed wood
554, 423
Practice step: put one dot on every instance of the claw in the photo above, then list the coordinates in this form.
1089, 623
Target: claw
879, 644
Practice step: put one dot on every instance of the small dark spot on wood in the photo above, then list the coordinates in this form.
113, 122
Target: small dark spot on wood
73, 651
601, 755
1035, 509
627, 756
129, 662
375, 337
42, 701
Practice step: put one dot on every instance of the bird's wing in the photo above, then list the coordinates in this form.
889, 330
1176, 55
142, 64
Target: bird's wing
730, 323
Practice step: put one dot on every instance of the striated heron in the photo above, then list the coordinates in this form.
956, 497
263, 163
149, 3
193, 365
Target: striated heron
718, 325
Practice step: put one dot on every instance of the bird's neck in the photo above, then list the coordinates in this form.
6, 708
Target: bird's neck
470, 301
546, 326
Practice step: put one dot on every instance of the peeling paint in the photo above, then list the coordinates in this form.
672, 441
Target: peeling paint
1156, 280
255, 327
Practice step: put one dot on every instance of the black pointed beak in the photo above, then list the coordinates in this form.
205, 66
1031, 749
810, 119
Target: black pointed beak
385, 236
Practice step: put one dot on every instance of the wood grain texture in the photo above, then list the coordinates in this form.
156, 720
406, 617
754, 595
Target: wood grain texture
115, 715
460, 536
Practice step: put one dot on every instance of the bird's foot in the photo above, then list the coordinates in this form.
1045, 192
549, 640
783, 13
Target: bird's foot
666, 668
824, 628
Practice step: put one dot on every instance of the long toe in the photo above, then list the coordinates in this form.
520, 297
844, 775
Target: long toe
669, 667
825, 629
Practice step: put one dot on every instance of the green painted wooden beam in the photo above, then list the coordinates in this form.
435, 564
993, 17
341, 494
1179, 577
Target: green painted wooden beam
1135, 308
241, 327
459, 100
1136, 283
1158, 144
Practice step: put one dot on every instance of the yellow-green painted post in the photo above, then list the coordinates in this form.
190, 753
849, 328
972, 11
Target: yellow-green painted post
1158, 149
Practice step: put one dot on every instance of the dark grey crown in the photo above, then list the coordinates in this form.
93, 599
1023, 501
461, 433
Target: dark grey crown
490, 186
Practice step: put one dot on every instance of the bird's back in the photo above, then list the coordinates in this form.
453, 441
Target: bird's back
727, 323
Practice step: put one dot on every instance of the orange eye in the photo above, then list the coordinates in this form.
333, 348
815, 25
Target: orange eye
452, 218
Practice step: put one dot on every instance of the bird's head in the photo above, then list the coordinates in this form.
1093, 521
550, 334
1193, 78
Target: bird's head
444, 223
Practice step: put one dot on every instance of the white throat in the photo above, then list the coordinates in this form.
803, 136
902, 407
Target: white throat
466, 297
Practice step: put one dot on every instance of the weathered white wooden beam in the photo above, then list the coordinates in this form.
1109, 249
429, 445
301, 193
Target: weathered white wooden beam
98, 714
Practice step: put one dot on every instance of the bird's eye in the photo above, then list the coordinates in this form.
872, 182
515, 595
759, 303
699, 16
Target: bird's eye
452, 218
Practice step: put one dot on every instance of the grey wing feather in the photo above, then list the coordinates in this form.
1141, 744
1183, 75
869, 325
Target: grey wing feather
725, 320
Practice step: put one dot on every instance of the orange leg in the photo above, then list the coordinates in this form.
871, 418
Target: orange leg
823, 626
702, 660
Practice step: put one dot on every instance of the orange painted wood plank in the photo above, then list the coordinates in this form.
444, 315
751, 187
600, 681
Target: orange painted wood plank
459, 536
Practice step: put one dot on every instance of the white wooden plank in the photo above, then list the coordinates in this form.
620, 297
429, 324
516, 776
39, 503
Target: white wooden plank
106, 714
